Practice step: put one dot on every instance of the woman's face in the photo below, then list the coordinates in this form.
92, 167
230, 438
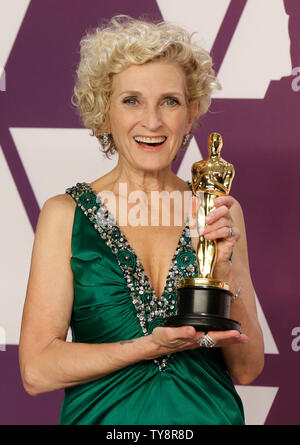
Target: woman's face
149, 115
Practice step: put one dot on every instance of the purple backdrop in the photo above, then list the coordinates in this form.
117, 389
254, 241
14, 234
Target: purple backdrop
262, 140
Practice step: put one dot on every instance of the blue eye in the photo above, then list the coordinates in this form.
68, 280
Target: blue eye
171, 101
130, 101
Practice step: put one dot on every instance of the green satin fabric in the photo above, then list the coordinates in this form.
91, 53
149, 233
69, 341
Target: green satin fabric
193, 389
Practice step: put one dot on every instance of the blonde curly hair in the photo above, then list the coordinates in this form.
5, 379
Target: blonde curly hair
125, 41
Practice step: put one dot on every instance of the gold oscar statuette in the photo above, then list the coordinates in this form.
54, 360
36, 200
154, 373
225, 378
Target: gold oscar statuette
204, 302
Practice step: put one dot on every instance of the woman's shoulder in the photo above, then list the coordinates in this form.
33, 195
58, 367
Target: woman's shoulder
55, 224
59, 203
58, 211
66, 202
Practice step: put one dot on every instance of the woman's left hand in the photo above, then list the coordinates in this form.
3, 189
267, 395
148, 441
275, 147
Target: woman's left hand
244, 364
220, 227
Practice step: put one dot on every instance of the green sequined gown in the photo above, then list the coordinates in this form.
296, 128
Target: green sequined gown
114, 301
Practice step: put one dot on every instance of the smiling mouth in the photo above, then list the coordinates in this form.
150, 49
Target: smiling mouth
150, 141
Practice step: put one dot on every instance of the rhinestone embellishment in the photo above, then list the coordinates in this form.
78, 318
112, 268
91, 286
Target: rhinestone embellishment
150, 311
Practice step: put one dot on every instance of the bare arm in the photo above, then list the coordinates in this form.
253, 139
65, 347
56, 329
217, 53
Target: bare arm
244, 361
47, 361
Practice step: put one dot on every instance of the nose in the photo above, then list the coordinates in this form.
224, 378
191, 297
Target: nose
151, 118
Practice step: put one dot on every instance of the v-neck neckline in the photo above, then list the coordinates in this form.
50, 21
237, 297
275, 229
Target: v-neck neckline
132, 250
150, 311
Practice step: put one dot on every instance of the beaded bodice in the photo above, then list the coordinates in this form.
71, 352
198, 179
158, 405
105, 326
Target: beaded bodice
150, 310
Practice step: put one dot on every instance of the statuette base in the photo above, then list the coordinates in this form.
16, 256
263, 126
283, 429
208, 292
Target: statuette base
206, 308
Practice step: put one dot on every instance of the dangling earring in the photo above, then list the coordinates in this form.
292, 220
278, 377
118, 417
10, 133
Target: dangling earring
105, 139
186, 141
108, 143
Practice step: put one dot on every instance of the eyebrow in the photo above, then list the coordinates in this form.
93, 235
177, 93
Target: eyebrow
138, 93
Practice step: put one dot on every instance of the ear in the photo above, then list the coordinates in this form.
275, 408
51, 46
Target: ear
106, 127
193, 111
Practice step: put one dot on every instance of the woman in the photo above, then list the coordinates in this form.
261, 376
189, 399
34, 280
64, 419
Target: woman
141, 88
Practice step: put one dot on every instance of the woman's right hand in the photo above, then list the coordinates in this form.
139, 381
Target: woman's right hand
166, 340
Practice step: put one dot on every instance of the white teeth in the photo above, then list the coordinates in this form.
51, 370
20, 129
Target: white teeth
153, 140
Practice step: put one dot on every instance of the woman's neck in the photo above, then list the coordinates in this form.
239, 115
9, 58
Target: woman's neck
145, 180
